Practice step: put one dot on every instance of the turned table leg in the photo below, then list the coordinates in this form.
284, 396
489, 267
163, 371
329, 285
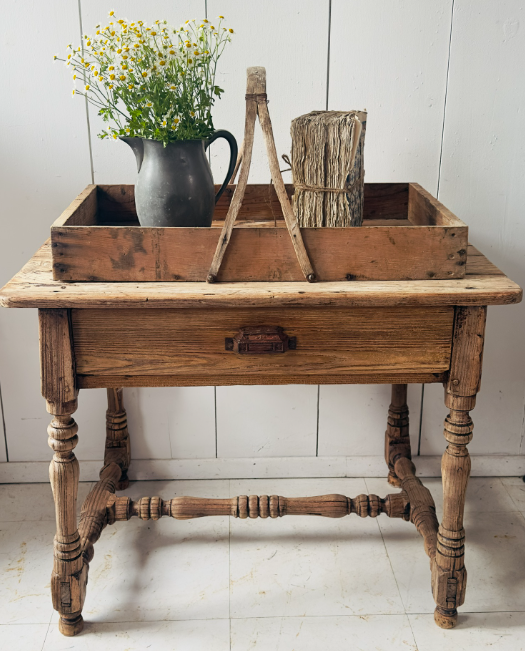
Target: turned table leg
117, 436
69, 577
449, 576
397, 439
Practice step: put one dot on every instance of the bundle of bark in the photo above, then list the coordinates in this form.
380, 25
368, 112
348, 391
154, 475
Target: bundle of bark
328, 168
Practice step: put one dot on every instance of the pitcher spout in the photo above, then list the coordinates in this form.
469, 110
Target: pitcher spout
138, 149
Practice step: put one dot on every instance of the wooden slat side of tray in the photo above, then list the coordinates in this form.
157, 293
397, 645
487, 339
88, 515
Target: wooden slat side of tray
33, 286
386, 201
117, 203
82, 211
426, 210
130, 254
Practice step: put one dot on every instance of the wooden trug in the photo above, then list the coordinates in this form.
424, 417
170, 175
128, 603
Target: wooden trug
406, 235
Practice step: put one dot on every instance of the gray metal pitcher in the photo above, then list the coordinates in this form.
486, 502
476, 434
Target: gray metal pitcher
175, 183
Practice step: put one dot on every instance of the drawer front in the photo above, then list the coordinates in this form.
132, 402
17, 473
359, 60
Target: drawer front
197, 342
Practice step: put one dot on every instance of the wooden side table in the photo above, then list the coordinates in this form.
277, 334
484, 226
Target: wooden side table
115, 335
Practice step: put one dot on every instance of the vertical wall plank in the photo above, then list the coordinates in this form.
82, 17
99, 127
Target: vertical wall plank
171, 422
290, 39
44, 164
482, 181
390, 57
266, 421
352, 419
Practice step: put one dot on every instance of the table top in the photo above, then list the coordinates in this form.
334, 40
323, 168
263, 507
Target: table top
33, 286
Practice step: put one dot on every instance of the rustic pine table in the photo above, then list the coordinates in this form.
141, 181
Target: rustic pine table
118, 335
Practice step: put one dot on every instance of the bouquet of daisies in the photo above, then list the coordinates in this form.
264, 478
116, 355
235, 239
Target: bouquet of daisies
154, 82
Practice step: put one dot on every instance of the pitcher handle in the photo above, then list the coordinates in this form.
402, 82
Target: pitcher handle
233, 156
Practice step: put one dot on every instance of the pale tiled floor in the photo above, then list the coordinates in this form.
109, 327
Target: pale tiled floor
294, 584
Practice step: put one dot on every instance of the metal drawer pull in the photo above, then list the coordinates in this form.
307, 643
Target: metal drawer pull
260, 340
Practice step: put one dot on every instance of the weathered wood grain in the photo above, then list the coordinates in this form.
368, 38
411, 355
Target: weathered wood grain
431, 244
449, 576
118, 448
238, 195
301, 253
105, 381
69, 577
397, 436
116, 203
331, 341
82, 211
423, 209
257, 506
127, 254
34, 286
57, 361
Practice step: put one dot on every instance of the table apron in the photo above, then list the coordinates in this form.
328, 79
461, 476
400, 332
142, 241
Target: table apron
172, 347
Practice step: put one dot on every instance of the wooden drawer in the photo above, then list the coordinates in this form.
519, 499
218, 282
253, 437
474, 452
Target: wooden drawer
150, 347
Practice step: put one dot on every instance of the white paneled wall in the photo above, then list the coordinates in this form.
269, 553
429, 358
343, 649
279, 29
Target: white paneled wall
443, 84
482, 180
390, 57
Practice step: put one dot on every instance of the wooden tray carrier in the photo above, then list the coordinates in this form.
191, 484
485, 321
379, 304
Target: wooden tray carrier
406, 233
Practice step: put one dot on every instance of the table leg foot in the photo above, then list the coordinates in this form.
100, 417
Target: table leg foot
446, 617
71, 626
393, 479
122, 484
